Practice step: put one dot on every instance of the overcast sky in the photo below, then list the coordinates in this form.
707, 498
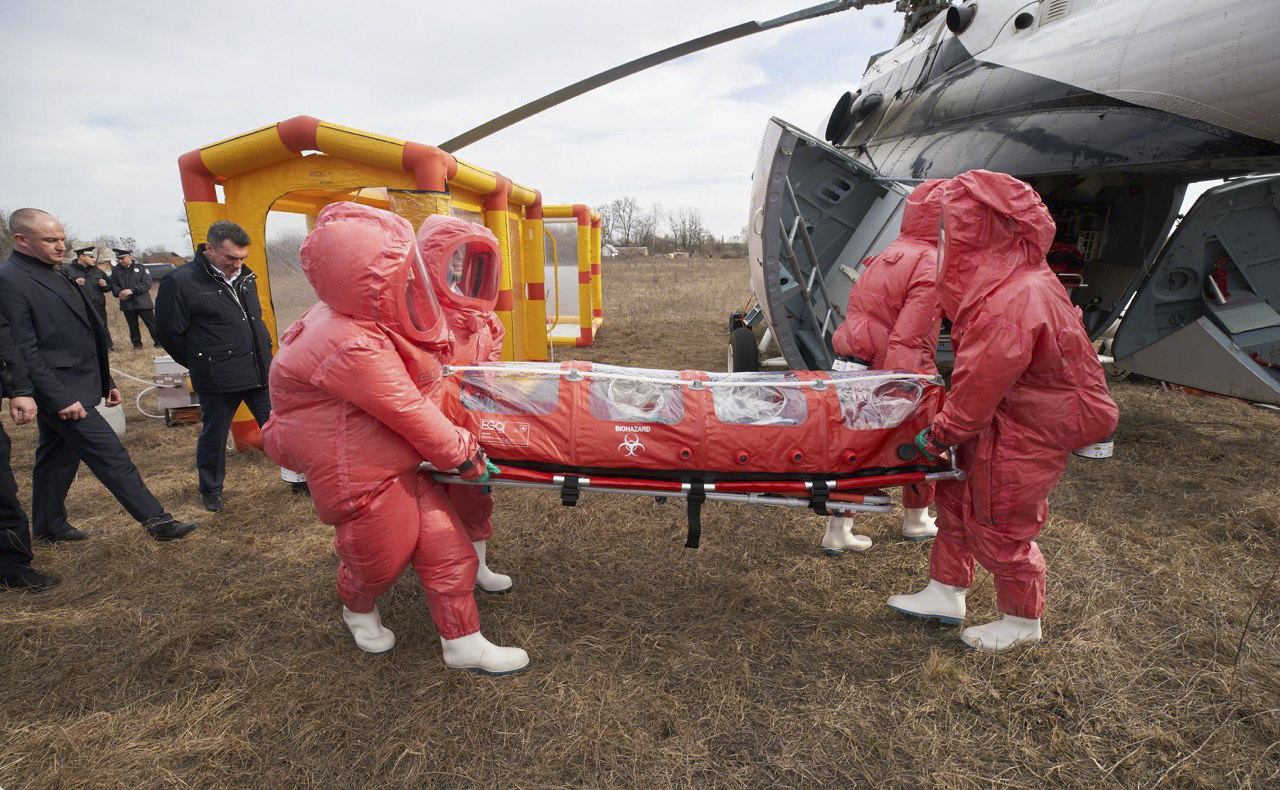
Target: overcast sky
108, 95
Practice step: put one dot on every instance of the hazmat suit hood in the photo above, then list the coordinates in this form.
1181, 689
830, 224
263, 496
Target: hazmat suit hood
923, 210
464, 262
993, 226
363, 263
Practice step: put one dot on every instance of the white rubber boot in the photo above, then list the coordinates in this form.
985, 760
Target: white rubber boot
918, 524
1004, 634
840, 538
937, 601
487, 580
367, 629
478, 654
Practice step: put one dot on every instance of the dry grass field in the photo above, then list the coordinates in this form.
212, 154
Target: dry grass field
753, 662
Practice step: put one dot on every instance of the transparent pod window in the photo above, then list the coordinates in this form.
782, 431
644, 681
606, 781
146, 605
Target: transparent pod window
758, 405
635, 395
873, 403
510, 392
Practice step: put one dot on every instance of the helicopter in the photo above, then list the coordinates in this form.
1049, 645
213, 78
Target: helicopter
1109, 109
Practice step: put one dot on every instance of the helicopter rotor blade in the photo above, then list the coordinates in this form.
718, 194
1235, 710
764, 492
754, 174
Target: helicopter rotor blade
640, 64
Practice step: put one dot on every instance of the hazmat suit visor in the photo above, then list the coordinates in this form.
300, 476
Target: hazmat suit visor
464, 262
471, 272
422, 311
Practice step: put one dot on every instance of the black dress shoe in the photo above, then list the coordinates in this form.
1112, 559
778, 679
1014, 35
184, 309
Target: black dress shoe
213, 502
28, 579
67, 535
137, 347
170, 528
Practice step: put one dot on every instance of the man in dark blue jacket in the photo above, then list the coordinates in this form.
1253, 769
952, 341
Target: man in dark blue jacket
210, 321
16, 572
65, 349
131, 283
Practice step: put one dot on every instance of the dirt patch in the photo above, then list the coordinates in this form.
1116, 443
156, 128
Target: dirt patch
754, 662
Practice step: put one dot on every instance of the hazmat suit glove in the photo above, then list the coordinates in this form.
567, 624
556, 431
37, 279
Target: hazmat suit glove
927, 447
477, 468
490, 469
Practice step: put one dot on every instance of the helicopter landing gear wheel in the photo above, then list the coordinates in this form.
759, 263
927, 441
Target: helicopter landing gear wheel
744, 357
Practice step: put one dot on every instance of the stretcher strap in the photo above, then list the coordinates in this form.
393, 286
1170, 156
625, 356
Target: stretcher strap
569, 491
819, 495
697, 495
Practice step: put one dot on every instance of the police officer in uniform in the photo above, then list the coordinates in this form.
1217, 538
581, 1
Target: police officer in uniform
85, 273
131, 283
65, 350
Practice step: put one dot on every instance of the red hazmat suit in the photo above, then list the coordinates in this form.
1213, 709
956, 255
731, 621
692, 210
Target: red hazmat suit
1027, 387
893, 317
465, 265
353, 394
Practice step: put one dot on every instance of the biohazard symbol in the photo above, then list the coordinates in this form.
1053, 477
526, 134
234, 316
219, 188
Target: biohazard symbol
631, 443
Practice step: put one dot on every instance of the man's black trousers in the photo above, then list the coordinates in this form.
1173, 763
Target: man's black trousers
15, 533
216, 412
148, 317
63, 445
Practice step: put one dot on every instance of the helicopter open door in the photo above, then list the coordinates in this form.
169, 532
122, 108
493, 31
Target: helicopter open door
815, 215
1208, 313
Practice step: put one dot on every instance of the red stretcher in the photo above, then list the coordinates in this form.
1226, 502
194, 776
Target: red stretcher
829, 441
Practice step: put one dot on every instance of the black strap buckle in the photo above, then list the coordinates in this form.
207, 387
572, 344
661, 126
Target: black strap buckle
697, 495
569, 491
819, 495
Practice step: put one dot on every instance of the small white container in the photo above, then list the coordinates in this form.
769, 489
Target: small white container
114, 415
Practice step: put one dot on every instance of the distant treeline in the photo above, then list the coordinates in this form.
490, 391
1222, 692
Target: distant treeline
628, 224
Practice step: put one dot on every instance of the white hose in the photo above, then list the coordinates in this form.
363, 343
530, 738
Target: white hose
133, 378
138, 402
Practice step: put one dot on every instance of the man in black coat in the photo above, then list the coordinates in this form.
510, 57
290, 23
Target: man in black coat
16, 572
85, 273
62, 343
210, 321
131, 283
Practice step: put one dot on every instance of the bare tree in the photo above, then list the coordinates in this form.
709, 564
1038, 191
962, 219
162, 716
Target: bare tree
648, 226
622, 219
688, 229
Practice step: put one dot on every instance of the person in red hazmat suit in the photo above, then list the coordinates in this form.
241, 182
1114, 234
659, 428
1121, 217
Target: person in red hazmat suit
892, 324
464, 264
354, 389
1027, 389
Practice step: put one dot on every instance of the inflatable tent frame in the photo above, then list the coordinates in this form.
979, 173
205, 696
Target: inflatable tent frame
303, 164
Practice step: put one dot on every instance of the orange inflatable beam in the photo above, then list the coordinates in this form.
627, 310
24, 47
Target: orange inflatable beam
431, 167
